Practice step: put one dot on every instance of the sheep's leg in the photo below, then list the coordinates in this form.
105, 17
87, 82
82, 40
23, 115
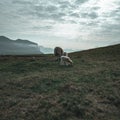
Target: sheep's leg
64, 62
61, 62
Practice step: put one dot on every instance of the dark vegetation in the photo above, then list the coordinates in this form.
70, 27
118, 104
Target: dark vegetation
38, 88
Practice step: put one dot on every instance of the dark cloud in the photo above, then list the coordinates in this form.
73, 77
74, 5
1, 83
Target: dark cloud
95, 8
75, 15
42, 12
58, 16
51, 8
91, 15
67, 3
39, 8
80, 1
45, 8
42, 27
21, 2
73, 21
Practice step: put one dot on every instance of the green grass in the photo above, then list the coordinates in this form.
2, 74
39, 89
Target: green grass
41, 89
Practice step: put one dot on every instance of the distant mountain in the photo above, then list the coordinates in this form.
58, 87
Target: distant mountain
18, 47
25, 42
46, 50
51, 50
70, 50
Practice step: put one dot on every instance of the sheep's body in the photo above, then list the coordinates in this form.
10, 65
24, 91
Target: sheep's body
65, 60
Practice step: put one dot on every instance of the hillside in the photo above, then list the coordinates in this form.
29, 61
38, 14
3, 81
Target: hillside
41, 89
17, 47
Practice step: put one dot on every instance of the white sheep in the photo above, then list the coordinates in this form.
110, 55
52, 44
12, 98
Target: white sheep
65, 60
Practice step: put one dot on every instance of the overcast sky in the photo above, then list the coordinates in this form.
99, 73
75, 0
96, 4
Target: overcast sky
74, 24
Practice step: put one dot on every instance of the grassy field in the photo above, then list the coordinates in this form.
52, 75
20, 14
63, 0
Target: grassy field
41, 89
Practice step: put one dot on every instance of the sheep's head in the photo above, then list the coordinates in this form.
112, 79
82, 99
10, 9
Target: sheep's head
58, 51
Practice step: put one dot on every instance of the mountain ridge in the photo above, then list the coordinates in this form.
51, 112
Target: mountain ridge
19, 46
4, 39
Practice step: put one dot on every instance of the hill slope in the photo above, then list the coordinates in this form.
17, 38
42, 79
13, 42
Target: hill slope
40, 89
17, 47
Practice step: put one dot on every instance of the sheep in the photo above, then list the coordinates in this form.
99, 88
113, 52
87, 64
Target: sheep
58, 51
65, 60
62, 56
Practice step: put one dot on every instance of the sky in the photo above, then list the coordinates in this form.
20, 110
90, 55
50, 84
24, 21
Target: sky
70, 24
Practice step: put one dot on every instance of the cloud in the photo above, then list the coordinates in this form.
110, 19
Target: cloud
75, 15
51, 8
21, 2
61, 20
64, 4
80, 1
91, 15
42, 27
